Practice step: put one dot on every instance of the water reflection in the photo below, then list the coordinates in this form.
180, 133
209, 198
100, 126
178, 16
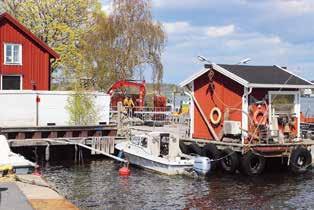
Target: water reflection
96, 185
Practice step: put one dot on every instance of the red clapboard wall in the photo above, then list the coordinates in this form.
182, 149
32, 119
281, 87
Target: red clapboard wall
36, 55
227, 93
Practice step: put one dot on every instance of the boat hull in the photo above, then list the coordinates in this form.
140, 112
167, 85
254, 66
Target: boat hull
173, 169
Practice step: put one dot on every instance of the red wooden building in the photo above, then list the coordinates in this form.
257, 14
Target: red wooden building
241, 96
25, 59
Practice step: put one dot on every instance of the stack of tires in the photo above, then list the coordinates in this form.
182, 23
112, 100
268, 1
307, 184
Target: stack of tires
250, 163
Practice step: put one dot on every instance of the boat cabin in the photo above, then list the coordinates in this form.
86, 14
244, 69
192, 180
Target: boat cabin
242, 103
158, 144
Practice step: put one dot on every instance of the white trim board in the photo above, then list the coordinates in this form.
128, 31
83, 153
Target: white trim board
286, 70
20, 55
220, 70
192, 113
244, 82
254, 85
297, 106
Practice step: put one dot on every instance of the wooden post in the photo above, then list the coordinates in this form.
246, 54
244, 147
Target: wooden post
120, 114
47, 152
75, 153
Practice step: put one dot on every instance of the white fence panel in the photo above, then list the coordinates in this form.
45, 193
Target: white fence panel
17, 109
52, 108
102, 105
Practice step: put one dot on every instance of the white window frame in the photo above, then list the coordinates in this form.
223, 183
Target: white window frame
297, 107
12, 51
4, 75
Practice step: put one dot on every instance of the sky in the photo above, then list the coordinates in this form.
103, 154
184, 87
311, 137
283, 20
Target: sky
270, 32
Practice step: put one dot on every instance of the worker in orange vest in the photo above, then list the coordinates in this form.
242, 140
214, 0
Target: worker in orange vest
129, 104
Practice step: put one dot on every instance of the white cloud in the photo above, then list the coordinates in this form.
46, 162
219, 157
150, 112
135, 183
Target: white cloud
219, 31
296, 6
177, 27
257, 39
179, 3
192, 4
285, 7
184, 27
232, 46
268, 31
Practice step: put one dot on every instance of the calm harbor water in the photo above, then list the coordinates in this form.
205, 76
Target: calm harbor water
96, 185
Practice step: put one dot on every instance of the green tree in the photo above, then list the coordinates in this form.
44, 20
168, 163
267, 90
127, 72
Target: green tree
1, 7
59, 23
123, 42
81, 108
101, 48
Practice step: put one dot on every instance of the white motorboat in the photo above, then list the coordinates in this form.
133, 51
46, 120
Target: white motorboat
156, 151
18, 162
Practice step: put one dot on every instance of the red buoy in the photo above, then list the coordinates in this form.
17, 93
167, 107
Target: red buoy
124, 171
37, 171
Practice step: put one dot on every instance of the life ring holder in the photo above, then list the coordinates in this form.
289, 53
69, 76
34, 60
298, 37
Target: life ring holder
257, 113
211, 116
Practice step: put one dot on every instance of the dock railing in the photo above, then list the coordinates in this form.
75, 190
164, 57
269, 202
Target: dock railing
153, 114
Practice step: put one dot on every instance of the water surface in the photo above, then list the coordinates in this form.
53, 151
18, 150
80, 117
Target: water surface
96, 185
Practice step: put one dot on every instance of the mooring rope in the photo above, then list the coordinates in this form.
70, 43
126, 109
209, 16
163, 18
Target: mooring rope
221, 158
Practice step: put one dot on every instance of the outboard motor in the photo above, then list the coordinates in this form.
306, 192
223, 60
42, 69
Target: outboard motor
202, 165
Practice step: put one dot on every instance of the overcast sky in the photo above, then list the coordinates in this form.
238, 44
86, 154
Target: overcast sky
269, 32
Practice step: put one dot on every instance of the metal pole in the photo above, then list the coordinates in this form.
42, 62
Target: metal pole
90, 148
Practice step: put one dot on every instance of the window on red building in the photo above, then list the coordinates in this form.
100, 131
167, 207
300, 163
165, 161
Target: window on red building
13, 54
10, 82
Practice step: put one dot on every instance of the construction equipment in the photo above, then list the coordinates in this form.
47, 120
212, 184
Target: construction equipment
118, 92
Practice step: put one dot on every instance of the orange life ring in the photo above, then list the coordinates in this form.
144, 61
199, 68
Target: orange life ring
257, 113
219, 115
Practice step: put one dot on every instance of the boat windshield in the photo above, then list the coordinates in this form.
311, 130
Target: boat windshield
139, 140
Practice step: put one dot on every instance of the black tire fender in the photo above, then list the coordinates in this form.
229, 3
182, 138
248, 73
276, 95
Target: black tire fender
300, 160
211, 151
184, 148
231, 161
252, 164
194, 148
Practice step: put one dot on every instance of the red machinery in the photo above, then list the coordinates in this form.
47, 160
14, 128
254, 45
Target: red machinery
160, 103
118, 92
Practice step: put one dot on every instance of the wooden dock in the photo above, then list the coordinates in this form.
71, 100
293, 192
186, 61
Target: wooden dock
58, 131
50, 141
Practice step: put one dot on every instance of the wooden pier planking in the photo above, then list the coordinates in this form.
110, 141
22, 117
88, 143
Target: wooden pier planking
58, 132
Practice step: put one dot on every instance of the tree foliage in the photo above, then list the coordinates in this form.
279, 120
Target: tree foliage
123, 42
81, 108
1, 7
59, 23
100, 47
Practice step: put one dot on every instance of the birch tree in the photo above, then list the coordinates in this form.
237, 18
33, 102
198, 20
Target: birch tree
123, 42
